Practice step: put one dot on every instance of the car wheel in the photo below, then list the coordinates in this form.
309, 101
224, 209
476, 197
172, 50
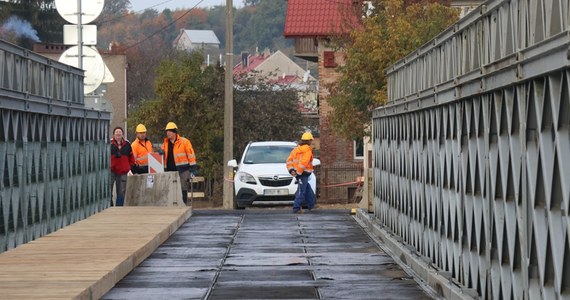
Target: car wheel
237, 205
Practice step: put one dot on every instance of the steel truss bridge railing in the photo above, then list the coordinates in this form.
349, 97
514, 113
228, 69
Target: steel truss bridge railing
53, 155
471, 154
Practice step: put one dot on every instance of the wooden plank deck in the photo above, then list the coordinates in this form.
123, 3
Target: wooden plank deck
86, 259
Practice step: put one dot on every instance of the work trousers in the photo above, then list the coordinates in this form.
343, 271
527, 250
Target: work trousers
185, 183
304, 193
120, 181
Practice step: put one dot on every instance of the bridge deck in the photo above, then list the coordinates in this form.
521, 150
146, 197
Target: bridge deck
88, 258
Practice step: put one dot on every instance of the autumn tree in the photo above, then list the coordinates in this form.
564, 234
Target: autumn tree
393, 29
192, 19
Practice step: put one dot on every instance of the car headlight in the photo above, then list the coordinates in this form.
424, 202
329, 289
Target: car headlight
246, 177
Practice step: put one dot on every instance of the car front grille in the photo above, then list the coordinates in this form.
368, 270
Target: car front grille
275, 182
275, 198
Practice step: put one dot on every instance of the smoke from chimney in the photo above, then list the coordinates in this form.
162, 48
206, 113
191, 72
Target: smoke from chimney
20, 28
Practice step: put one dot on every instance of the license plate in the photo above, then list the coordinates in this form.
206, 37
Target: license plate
276, 192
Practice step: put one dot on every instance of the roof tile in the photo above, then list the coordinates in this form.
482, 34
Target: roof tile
317, 17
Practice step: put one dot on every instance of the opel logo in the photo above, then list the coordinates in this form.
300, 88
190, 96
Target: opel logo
275, 178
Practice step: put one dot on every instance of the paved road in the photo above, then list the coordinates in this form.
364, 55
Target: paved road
268, 254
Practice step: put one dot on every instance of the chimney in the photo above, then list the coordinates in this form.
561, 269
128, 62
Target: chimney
244, 59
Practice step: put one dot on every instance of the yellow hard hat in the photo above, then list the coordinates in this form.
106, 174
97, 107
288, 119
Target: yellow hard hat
141, 128
307, 136
171, 125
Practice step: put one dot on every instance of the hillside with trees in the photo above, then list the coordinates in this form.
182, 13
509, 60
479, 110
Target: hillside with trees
146, 36
258, 23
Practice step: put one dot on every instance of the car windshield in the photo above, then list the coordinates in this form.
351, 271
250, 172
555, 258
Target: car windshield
267, 154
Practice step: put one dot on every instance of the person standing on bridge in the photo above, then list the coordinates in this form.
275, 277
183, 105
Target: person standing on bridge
122, 160
141, 149
300, 166
179, 156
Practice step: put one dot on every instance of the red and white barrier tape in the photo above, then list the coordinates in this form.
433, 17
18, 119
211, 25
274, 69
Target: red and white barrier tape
342, 184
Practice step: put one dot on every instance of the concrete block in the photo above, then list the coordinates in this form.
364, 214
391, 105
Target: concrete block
160, 189
367, 191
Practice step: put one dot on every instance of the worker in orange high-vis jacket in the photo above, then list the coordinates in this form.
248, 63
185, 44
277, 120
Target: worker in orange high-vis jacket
141, 149
300, 166
179, 156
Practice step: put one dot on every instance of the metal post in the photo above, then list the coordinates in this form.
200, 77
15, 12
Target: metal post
79, 35
228, 110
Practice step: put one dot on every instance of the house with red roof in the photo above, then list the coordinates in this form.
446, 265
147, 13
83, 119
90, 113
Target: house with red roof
277, 68
312, 23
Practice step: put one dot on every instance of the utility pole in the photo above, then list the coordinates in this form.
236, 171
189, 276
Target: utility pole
79, 35
229, 110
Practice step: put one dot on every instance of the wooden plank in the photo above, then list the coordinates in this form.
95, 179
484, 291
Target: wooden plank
199, 194
198, 179
86, 259
196, 195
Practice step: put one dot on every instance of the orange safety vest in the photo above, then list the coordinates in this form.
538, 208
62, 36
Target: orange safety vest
301, 159
141, 149
184, 155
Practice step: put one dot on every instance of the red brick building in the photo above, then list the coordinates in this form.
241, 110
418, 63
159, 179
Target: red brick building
312, 23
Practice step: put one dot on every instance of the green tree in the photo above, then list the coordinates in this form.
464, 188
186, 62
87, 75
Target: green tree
217, 21
5, 10
251, 2
113, 11
241, 19
394, 29
171, 33
265, 112
192, 97
264, 29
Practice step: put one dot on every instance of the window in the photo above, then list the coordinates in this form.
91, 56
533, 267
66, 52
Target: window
267, 154
358, 148
328, 61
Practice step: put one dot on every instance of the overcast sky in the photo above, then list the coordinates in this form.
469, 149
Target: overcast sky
160, 5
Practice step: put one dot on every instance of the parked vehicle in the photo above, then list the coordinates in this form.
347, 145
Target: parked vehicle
261, 177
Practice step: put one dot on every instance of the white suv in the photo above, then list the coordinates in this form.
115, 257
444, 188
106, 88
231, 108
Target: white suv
262, 176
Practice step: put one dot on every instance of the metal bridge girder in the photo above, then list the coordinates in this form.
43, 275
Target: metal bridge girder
46, 179
470, 152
